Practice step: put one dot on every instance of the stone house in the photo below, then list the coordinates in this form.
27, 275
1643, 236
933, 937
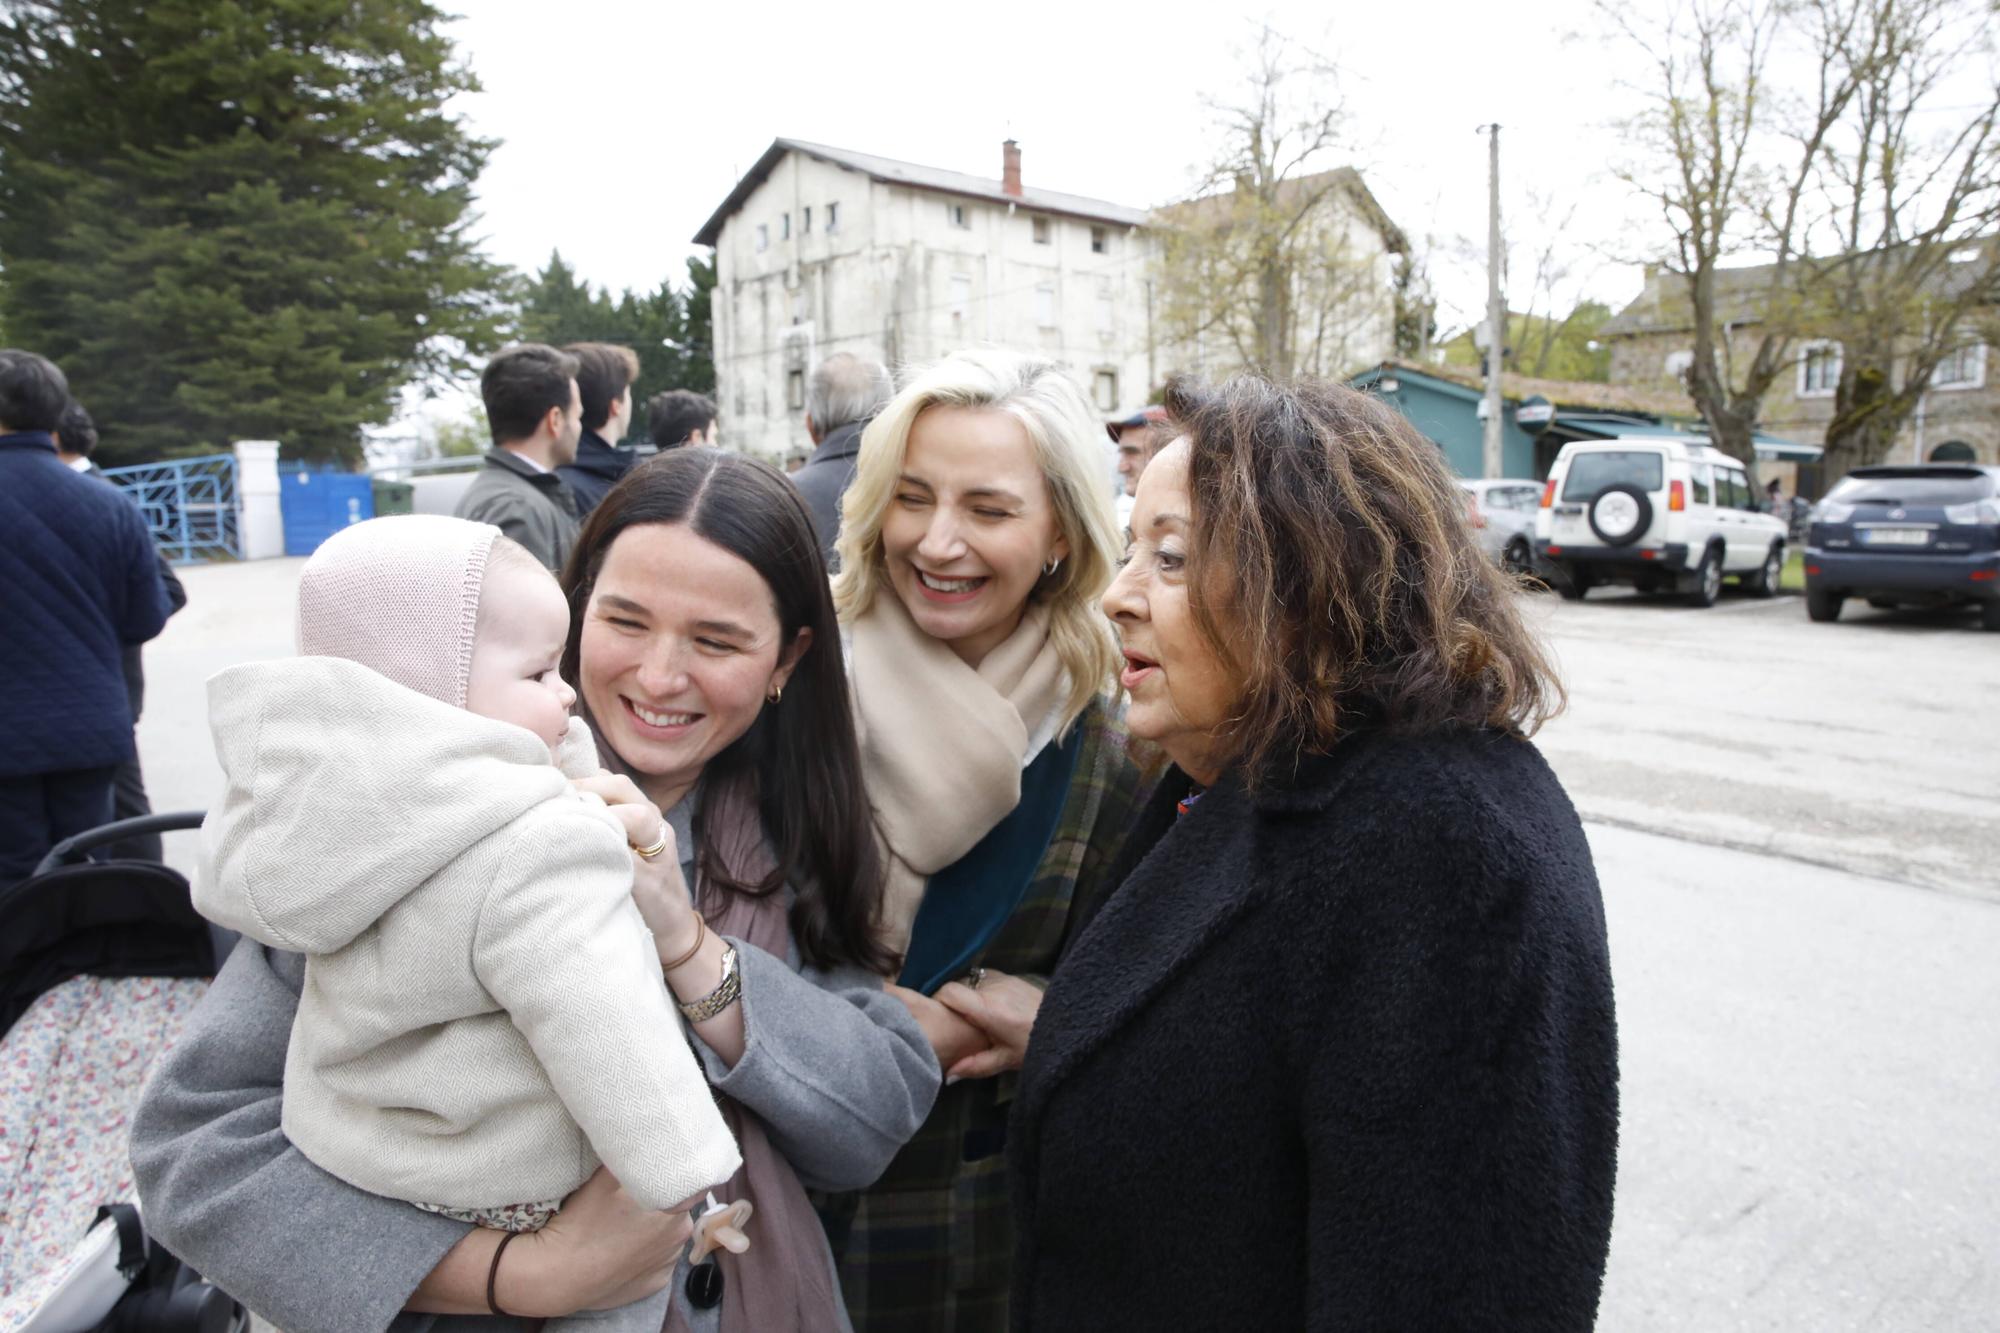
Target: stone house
821, 249
1652, 346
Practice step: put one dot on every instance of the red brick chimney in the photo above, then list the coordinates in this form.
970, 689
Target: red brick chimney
1010, 168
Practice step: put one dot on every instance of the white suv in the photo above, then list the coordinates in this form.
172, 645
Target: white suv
1662, 514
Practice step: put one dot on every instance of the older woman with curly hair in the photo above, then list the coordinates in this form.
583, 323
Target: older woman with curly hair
1339, 1052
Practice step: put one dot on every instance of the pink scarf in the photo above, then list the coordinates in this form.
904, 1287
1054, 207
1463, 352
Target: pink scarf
783, 1284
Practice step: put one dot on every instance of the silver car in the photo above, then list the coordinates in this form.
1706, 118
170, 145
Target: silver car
1502, 514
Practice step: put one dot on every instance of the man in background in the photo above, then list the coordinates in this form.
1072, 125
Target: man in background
1137, 438
536, 415
82, 580
604, 385
75, 439
843, 396
681, 418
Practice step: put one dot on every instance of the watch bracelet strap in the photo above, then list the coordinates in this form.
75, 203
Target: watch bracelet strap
726, 993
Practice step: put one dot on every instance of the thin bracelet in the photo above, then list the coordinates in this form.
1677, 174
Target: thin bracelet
493, 1276
700, 938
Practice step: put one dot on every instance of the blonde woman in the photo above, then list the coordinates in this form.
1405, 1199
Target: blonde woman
975, 541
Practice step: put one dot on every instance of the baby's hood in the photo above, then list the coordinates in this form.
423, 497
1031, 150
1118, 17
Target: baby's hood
345, 791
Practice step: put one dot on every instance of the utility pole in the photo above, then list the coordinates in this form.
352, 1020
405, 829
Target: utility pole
1496, 308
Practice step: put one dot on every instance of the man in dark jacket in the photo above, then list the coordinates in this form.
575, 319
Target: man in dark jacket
75, 440
844, 395
82, 580
536, 416
604, 384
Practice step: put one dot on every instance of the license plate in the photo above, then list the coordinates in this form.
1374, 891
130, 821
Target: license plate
1895, 537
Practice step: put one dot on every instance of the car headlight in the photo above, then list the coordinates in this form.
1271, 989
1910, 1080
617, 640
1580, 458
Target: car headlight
1979, 511
1832, 511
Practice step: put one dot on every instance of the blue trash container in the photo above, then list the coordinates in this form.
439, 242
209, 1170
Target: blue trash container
316, 505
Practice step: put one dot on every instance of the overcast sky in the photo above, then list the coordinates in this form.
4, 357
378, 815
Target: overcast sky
625, 122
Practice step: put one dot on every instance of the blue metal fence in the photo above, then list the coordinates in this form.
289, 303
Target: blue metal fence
190, 504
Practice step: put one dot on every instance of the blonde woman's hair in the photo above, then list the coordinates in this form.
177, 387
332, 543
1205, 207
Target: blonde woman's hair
1069, 446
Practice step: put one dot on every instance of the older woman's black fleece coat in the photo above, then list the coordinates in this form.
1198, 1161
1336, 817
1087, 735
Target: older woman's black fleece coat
1340, 1055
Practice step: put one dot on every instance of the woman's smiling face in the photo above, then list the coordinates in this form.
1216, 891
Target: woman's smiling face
970, 527
1182, 693
680, 646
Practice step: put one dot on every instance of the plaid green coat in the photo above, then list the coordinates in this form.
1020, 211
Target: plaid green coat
928, 1248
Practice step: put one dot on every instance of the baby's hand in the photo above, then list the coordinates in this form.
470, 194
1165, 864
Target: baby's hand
721, 1228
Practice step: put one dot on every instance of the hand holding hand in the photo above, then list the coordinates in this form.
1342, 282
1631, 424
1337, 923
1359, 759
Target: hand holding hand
950, 1036
1003, 1008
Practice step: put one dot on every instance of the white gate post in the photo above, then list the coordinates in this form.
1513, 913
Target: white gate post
260, 526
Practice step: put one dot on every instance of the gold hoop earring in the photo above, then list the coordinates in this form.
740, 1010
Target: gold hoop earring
777, 693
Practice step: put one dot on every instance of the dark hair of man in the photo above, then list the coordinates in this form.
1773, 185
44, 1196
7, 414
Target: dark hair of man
676, 414
604, 372
1331, 566
800, 761
520, 384
33, 393
77, 432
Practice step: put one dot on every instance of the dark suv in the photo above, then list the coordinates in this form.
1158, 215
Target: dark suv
1926, 534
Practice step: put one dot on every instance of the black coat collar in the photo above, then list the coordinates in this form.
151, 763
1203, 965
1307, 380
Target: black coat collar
1180, 897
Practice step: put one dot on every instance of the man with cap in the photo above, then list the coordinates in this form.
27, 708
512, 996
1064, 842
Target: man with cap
1138, 437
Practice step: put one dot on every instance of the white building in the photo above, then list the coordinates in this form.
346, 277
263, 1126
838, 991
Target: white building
820, 249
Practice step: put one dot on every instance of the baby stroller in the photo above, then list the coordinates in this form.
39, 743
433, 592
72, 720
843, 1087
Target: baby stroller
101, 963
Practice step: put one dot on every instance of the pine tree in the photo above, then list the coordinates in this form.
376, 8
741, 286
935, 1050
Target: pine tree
668, 327
234, 219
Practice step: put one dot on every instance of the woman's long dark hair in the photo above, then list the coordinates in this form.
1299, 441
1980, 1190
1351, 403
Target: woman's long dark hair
800, 761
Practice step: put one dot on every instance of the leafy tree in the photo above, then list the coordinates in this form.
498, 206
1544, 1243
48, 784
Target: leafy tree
1545, 346
668, 327
1272, 262
240, 218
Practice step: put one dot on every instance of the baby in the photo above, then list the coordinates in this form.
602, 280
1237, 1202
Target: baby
483, 1017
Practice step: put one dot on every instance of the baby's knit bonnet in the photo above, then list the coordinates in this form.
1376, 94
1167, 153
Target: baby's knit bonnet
401, 597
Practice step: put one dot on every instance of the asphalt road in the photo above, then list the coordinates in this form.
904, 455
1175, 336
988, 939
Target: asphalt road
1797, 829
1871, 744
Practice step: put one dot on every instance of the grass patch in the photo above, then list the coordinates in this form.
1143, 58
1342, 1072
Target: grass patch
1793, 578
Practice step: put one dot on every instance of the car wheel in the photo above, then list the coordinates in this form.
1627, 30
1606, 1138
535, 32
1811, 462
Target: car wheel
1517, 559
1823, 604
1620, 514
1764, 583
1989, 615
1572, 582
1707, 579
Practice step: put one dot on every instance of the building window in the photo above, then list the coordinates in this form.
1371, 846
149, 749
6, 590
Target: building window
1042, 230
784, 226
763, 237
1954, 451
1962, 368
1100, 241
1045, 306
961, 304
1819, 370
1105, 389
806, 222
833, 217
795, 389
955, 215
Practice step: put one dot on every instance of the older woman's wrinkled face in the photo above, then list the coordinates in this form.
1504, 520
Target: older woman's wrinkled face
1182, 693
970, 527
681, 645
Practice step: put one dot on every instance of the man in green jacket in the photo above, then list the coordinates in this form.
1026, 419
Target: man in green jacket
536, 415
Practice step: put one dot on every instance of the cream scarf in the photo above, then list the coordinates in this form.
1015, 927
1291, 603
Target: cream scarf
942, 744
